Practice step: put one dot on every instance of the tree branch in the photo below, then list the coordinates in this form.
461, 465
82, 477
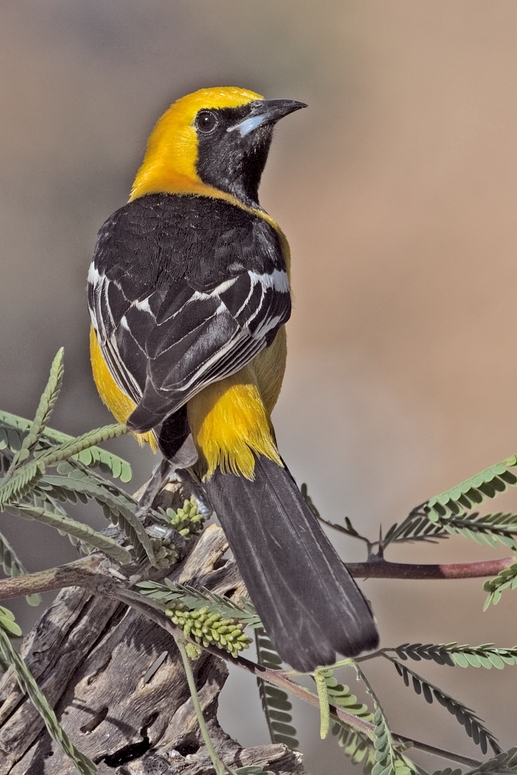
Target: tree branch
85, 573
382, 569
79, 573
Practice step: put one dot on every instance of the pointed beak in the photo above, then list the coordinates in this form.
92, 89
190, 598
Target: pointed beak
266, 112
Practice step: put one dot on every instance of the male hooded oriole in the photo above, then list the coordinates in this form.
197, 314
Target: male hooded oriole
189, 293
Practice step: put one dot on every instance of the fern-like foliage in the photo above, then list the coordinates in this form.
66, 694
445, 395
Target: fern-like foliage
467, 494
11, 629
77, 529
44, 411
169, 593
27, 490
69, 449
506, 579
8, 624
9, 656
378, 752
18, 482
14, 429
473, 725
117, 505
275, 702
416, 527
503, 764
452, 654
488, 529
387, 761
358, 746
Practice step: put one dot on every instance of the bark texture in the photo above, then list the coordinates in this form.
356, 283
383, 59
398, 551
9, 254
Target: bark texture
116, 682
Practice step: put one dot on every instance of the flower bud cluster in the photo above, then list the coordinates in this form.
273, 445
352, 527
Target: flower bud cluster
209, 629
187, 520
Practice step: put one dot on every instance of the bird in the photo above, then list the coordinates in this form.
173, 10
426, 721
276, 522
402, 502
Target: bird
189, 294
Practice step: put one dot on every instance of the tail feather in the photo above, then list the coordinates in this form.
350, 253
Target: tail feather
309, 604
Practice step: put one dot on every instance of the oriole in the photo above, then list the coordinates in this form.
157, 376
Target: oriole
188, 295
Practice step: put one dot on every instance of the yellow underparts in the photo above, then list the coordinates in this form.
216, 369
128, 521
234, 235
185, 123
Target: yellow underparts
230, 420
120, 405
230, 426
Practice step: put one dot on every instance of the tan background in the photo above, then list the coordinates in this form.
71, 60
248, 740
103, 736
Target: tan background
398, 192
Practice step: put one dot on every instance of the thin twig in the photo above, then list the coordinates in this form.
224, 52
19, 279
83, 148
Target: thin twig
220, 767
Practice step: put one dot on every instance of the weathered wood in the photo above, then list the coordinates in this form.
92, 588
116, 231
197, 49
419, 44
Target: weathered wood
117, 684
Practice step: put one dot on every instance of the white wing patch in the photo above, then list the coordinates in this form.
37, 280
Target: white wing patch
261, 312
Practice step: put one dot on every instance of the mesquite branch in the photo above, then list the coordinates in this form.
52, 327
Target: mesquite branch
85, 573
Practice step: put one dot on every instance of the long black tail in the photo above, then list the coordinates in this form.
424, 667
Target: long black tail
309, 604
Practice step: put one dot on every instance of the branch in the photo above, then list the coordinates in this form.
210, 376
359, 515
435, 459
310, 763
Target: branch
79, 573
379, 568
84, 573
92, 573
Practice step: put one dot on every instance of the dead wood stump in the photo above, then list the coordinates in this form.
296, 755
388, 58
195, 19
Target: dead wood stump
116, 682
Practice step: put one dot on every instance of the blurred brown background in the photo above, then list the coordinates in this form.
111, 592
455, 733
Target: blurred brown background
398, 192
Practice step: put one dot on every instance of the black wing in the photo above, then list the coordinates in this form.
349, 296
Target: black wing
183, 291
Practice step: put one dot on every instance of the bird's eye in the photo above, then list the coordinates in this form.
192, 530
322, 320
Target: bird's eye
206, 121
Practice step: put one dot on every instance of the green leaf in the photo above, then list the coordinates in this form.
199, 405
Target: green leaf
13, 429
504, 763
77, 445
356, 745
117, 505
488, 529
18, 485
8, 624
44, 411
486, 655
461, 497
506, 579
77, 529
416, 527
385, 753
473, 725
28, 685
275, 702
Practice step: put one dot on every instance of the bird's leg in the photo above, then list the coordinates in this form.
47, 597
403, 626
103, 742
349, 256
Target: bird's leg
153, 487
178, 468
188, 478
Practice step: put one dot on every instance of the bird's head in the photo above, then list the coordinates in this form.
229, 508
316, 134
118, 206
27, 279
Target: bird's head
212, 139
